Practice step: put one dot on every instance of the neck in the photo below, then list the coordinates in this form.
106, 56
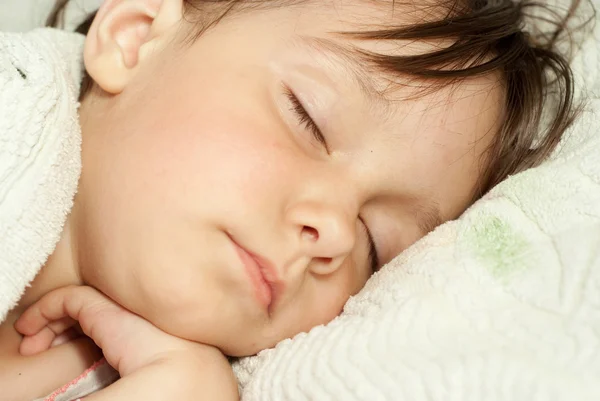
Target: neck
61, 269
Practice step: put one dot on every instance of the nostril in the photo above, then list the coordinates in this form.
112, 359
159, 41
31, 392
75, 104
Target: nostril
310, 233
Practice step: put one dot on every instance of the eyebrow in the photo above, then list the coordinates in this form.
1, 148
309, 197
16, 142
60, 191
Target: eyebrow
428, 216
352, 61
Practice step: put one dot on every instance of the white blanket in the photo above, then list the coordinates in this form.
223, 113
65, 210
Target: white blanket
503, 304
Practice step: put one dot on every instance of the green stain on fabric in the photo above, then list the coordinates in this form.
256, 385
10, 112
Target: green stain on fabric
497, 244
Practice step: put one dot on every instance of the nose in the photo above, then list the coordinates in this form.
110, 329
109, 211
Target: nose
326, 233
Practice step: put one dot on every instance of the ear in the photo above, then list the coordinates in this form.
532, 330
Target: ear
123, 34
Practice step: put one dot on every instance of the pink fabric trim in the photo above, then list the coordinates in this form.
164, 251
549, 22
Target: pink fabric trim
64, 388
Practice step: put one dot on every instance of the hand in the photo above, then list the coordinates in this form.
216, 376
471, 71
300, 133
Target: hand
33, 377
127, 340
156, 362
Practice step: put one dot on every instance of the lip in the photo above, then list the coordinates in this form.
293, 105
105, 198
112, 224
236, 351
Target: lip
261, 274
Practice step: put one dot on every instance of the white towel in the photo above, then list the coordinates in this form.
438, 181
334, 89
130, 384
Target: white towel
503, 304
40, 142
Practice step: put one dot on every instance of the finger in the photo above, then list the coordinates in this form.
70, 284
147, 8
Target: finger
37, 343
58, 310
47, 312
127, 340
99, 318
44, 339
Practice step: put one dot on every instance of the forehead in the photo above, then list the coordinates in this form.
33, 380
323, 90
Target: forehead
327, 27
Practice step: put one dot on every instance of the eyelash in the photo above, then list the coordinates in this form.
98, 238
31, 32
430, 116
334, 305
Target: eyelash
304, 118
373, 257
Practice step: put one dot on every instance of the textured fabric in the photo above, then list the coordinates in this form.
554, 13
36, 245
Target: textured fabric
98, 376
40, 143
503, 304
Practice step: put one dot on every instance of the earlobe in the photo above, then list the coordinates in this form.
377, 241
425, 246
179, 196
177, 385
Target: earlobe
122, 35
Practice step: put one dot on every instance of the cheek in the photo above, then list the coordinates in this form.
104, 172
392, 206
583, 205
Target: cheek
325, 305
227, 166
324, 298
155, 183
210, 139
178, 162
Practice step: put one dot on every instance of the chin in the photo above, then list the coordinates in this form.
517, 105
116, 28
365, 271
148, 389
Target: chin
247, 349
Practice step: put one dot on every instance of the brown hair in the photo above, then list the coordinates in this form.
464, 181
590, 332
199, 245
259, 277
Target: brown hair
486, 36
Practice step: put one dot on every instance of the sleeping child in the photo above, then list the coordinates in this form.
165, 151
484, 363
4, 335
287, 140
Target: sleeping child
246, 166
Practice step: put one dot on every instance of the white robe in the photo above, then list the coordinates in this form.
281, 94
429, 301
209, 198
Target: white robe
40, 150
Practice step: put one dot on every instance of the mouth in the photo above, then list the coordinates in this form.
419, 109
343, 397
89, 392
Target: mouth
261, 274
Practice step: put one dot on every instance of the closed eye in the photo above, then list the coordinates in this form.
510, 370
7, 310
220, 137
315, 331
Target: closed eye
373, 257
304, 118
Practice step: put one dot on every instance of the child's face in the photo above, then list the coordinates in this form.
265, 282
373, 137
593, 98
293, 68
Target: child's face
201, 155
